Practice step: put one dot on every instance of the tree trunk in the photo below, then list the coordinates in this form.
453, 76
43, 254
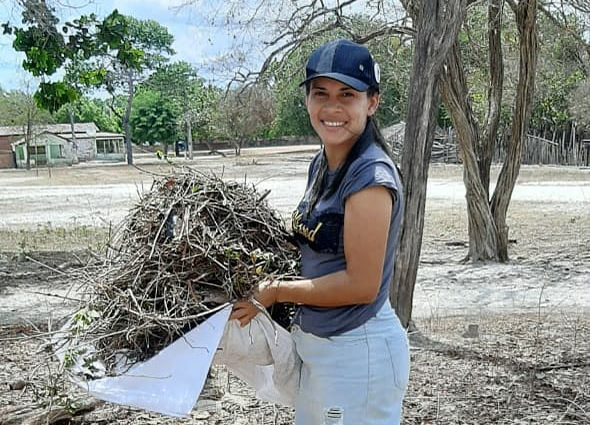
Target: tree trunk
496, 64
238, 146
526, 21
189, 139
126, 126
437, 25
482, 230
28, 136
73, 130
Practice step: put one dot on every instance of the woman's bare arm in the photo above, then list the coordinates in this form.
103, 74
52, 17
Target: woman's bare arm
366, 228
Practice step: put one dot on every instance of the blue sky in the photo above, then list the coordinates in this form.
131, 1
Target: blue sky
195, 41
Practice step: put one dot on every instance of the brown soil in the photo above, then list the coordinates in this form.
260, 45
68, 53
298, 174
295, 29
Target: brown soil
528, 362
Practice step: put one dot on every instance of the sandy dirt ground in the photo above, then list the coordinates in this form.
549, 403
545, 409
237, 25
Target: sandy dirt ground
528, 362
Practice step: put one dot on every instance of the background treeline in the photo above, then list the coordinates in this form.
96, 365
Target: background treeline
163, 102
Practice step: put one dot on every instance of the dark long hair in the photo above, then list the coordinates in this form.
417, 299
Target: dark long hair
371, 134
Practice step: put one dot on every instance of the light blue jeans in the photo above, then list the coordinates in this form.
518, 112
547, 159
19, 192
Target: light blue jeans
364, 371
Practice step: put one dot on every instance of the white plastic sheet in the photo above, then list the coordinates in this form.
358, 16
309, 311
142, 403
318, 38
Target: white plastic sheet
262, 354
172, 380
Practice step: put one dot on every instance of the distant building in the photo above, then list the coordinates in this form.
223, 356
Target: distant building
44, 149
54, 144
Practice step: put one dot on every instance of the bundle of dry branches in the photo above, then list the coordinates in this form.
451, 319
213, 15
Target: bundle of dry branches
192, 244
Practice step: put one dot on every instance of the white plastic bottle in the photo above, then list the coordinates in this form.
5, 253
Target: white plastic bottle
334, 416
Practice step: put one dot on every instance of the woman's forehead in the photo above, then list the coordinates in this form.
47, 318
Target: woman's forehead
329, 83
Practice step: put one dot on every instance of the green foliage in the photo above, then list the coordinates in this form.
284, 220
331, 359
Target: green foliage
18, 107
89, 110
177, 81
44, 47
579, 103
51, 96
291, 117
80, 48
443, 118
395, 60
133, 44
92, 77
179, 84
153, 119
202, 112
559, 72
551, 106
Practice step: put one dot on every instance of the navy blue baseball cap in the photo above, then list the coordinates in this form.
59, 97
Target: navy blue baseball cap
344, 61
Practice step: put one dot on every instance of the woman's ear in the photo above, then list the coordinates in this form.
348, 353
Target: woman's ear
373, 104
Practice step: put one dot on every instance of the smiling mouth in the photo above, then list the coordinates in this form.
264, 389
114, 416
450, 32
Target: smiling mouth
333, 123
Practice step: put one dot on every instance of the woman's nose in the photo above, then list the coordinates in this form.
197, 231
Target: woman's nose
332, 104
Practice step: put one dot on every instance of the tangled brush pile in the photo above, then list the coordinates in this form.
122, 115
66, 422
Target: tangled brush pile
193, 243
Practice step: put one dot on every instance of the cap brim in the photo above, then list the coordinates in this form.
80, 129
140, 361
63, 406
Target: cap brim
353, 83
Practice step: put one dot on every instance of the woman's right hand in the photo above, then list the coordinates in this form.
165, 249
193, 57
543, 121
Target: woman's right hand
244, 311
266, 294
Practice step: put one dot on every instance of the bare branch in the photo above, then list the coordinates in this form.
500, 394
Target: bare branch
512, 5
386, 30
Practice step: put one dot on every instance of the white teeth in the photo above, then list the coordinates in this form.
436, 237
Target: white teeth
334, 123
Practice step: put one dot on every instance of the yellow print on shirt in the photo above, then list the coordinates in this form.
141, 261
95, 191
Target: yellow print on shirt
302, 229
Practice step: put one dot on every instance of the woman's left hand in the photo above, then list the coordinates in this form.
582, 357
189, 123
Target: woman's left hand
244, 310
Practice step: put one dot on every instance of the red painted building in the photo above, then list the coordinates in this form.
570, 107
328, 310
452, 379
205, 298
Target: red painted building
6, 153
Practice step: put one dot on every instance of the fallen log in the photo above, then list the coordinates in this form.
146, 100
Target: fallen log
38, 415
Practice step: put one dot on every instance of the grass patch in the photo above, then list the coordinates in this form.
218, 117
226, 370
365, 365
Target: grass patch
49, 238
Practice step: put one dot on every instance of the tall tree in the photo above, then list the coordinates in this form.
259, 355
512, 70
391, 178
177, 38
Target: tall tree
147, 47
526, 20
114, 53
180, 84
18, 108
89, 110
155, 42
488, 232
437, 25
245, 113
153, 119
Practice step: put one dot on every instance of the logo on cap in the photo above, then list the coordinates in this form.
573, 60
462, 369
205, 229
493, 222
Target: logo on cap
377, 72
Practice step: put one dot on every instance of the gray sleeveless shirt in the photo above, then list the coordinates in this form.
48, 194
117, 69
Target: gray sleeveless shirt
320, 238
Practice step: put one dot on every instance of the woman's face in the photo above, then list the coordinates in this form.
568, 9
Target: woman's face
337, 112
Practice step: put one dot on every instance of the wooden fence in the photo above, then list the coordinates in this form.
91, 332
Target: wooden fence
567, 148
444, 148
562, 151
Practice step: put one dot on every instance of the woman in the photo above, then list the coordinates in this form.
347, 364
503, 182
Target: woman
353, 349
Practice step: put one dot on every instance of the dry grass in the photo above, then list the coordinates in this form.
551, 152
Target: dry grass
521, 369
50, 238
